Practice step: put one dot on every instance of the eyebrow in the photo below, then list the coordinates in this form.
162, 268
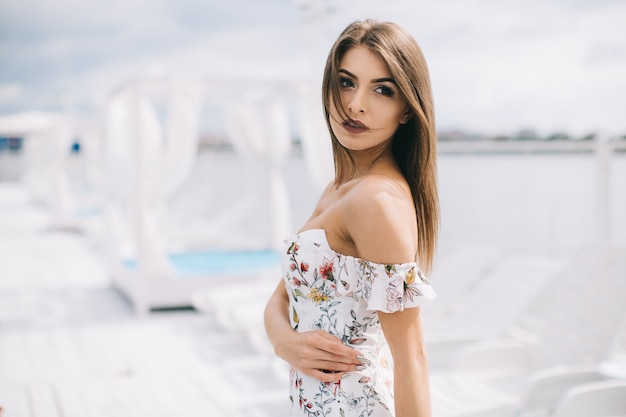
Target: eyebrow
377, 80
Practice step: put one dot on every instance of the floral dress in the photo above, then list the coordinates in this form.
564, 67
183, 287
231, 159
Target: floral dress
341, 294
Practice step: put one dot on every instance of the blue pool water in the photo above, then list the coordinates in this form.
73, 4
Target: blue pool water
217, 262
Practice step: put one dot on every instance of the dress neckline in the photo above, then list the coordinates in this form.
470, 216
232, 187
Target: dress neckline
319, 237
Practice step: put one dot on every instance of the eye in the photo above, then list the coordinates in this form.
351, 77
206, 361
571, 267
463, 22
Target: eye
345, 82
384, 90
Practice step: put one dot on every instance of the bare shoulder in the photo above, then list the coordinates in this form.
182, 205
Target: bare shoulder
327, 189
380, 219
319, 206
381, 187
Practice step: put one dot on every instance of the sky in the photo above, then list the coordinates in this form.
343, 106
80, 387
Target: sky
496, 66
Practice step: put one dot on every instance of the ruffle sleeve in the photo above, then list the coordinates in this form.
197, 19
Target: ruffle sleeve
387, 287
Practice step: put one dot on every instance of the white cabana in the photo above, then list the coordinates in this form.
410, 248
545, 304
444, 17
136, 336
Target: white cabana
150, 152
47, 138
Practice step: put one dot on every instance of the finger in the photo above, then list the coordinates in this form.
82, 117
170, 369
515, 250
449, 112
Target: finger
333, 346
340, 355
331, 366
326, 376
319, 359
331, 357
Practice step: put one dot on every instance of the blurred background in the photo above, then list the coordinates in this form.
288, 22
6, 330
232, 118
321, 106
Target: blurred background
154, 155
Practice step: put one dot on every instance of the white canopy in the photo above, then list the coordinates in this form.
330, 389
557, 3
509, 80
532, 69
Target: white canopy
21, 124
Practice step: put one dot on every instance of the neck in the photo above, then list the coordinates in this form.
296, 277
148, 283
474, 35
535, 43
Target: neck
364, 164
352, 164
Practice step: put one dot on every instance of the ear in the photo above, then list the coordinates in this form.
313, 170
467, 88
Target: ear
406, 117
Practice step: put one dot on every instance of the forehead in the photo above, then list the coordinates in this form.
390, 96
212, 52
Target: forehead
363, 63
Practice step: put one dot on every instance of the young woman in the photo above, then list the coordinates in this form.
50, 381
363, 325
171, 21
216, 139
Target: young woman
353, 277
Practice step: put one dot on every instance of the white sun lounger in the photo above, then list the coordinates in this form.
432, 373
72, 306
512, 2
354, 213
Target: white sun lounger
597, 399
498, 372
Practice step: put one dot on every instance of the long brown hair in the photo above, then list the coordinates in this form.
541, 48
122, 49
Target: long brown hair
414, 144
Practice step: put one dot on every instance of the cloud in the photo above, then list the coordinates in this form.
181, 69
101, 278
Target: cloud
495, 65
503, 66
52, 47
10, 92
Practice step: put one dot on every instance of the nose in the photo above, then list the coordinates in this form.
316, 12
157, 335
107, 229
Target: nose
358, 102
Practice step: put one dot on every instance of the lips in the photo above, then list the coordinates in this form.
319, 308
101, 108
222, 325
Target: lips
354, 126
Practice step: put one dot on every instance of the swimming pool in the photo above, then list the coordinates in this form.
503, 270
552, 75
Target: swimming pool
219, 262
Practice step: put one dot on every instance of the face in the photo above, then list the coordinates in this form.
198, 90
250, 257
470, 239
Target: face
373, 104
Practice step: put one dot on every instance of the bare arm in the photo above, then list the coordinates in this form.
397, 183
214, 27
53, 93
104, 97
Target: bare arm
381, 222
309, 352
403, 331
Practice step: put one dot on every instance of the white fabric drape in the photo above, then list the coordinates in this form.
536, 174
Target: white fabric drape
258, 126
181, 136
316, 143
62, 197
47, 140
148, 191
143, 167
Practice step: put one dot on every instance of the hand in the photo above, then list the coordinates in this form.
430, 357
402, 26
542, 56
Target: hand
318, 354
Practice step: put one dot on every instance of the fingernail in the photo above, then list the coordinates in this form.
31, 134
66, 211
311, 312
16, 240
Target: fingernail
359, 367
364, 360
344, 375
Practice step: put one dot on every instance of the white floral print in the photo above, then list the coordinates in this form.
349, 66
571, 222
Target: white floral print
342, 294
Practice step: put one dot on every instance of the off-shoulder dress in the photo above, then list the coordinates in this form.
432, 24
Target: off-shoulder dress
342, 295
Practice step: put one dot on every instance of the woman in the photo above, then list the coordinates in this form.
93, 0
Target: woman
351, 286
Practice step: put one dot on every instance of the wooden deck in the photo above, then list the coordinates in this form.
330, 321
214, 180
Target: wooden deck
71, 345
